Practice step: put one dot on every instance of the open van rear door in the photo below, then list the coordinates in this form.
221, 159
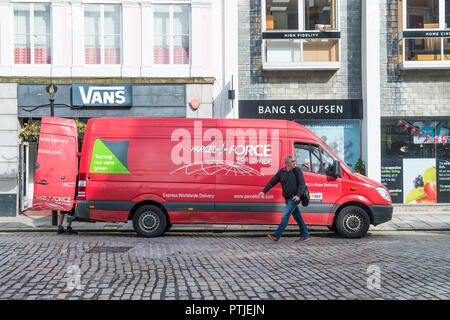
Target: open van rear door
56, 165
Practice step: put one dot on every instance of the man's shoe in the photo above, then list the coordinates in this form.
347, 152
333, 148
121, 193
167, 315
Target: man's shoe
60, 230
303, 239
71, 231
272, 237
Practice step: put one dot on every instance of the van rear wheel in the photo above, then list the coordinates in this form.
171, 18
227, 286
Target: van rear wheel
352, 222
149, 221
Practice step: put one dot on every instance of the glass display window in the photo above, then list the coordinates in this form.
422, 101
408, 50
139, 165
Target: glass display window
415, 159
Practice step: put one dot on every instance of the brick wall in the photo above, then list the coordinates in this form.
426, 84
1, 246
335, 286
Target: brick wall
254, 83
408, 92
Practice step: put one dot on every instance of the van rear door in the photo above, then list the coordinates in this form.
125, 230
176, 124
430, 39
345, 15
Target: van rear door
56, 165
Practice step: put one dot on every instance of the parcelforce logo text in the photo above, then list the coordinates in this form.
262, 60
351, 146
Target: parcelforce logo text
55, 199
228, 149
103, 95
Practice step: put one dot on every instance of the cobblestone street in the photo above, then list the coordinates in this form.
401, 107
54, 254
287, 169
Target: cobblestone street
209, 266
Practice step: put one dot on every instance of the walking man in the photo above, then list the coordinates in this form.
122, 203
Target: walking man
293, 185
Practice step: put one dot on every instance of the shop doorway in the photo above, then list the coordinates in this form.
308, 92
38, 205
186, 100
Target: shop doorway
28, 156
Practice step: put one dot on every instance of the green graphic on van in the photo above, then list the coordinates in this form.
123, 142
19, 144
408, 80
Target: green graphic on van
110, 156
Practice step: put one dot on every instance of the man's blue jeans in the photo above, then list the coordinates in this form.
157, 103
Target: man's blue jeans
292, 208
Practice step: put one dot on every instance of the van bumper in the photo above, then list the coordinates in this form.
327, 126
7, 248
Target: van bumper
83, 208
82, 211
381, 213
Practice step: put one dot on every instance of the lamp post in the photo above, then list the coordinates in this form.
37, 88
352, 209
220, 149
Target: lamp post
51, 89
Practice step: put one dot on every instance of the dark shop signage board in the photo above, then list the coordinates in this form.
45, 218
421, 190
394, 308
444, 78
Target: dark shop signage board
425, 34
392, 178
301, 109
443, 180
301, 35
111, 95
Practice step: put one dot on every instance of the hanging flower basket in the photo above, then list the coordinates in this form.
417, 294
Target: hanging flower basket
30, 132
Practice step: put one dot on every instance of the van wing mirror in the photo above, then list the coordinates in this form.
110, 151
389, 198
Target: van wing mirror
335, 170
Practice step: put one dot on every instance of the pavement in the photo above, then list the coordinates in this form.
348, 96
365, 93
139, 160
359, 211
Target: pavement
405, 218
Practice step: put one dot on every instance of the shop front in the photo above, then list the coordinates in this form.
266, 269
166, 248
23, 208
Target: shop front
82, 101
336, 122
415, 159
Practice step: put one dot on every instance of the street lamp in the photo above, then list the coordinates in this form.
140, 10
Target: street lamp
51, 90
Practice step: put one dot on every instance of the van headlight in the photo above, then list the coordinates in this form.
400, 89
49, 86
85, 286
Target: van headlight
384, 193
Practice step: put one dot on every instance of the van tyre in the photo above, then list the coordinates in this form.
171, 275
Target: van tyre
149, 221
352, 222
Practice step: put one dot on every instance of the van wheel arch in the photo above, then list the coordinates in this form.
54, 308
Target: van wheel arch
353, 203
147, 202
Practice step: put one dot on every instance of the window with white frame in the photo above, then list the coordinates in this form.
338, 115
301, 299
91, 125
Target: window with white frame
171, 34
300, 33
424, 27
102, 34
32, 34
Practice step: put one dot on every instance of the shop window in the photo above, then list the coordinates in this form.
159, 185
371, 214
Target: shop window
300, 34
32, 34
423, 50
322, 50
319, 14
102, 28
422, 14
424, 34
447, 49
447, 12
171, 40
415, 159
283, 51
281, 15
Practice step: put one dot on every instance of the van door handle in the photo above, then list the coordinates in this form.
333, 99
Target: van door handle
42, 182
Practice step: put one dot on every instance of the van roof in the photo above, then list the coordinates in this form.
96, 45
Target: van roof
109, 125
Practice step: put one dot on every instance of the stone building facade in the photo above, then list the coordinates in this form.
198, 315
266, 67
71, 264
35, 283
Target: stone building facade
393, 64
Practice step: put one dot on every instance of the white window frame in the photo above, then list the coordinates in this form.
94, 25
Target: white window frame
171, 35
102, 34
277, 66
413, 65
31, 34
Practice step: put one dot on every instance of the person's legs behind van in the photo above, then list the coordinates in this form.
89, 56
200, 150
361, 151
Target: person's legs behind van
69, 219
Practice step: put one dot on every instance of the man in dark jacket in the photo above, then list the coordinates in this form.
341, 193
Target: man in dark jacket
293, 185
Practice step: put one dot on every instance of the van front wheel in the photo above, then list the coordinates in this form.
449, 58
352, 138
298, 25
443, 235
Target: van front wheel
352, 222
149, 221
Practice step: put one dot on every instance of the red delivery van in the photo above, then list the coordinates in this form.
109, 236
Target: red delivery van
162, 171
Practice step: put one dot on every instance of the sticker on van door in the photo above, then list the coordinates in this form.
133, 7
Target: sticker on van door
110, 156
315, 197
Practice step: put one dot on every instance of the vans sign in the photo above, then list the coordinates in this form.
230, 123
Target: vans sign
101, 95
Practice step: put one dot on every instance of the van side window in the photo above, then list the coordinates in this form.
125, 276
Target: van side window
301, 153
308, 157
327, 160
